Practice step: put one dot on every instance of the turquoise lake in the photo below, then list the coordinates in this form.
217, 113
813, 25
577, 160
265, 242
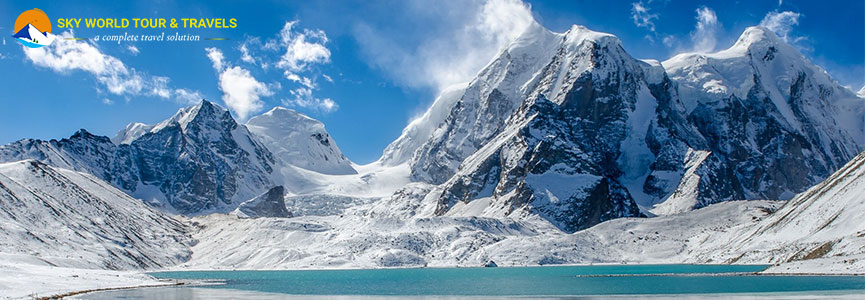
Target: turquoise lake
545, 282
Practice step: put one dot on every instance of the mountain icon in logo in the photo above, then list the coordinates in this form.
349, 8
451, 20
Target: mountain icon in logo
33, 29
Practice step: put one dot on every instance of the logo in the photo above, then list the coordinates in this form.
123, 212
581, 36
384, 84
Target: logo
33, 29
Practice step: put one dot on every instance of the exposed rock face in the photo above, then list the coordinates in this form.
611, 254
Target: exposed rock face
199, 160
270, 204
572, 128
818, 230
778, 121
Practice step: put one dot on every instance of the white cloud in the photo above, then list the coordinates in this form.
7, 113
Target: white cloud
669, 41
303, 98
187, 96
705, 34
107, 101
642, 17
216, 58
455, 39
302, 48
242, 92
298, 53
65, 56
132, 49
245, 55
781, 23
305, 81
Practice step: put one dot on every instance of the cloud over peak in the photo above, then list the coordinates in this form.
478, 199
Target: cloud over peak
296, 52
781, 23
705, 34
241, 92
455, 40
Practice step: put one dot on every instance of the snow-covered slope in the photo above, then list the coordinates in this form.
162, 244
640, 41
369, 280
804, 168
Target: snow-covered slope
820, 229
365, 239
132, 132
349, 240
421, 129
298, 140
64, 218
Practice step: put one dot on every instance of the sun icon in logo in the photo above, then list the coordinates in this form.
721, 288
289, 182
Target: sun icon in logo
33, 29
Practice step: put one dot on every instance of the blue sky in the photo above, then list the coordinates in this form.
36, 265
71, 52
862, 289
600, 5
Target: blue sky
364, 68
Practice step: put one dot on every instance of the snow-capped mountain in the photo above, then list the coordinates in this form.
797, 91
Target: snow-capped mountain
464, 119
572, 128
197, 161
70, 219
298, 140
779, 121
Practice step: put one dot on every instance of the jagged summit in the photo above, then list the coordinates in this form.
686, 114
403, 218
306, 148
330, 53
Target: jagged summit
199, 160
201, 112
767, 108
573, 128
204, 111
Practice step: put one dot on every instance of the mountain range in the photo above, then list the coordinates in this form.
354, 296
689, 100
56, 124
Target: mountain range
560, 132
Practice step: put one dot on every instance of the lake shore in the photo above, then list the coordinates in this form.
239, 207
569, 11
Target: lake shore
46, 282
188, 287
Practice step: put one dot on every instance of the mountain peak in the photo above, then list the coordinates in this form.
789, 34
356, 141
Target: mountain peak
758, 37
286, 113
299, 140
579, 33
204, 110
81, 133
84, 134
